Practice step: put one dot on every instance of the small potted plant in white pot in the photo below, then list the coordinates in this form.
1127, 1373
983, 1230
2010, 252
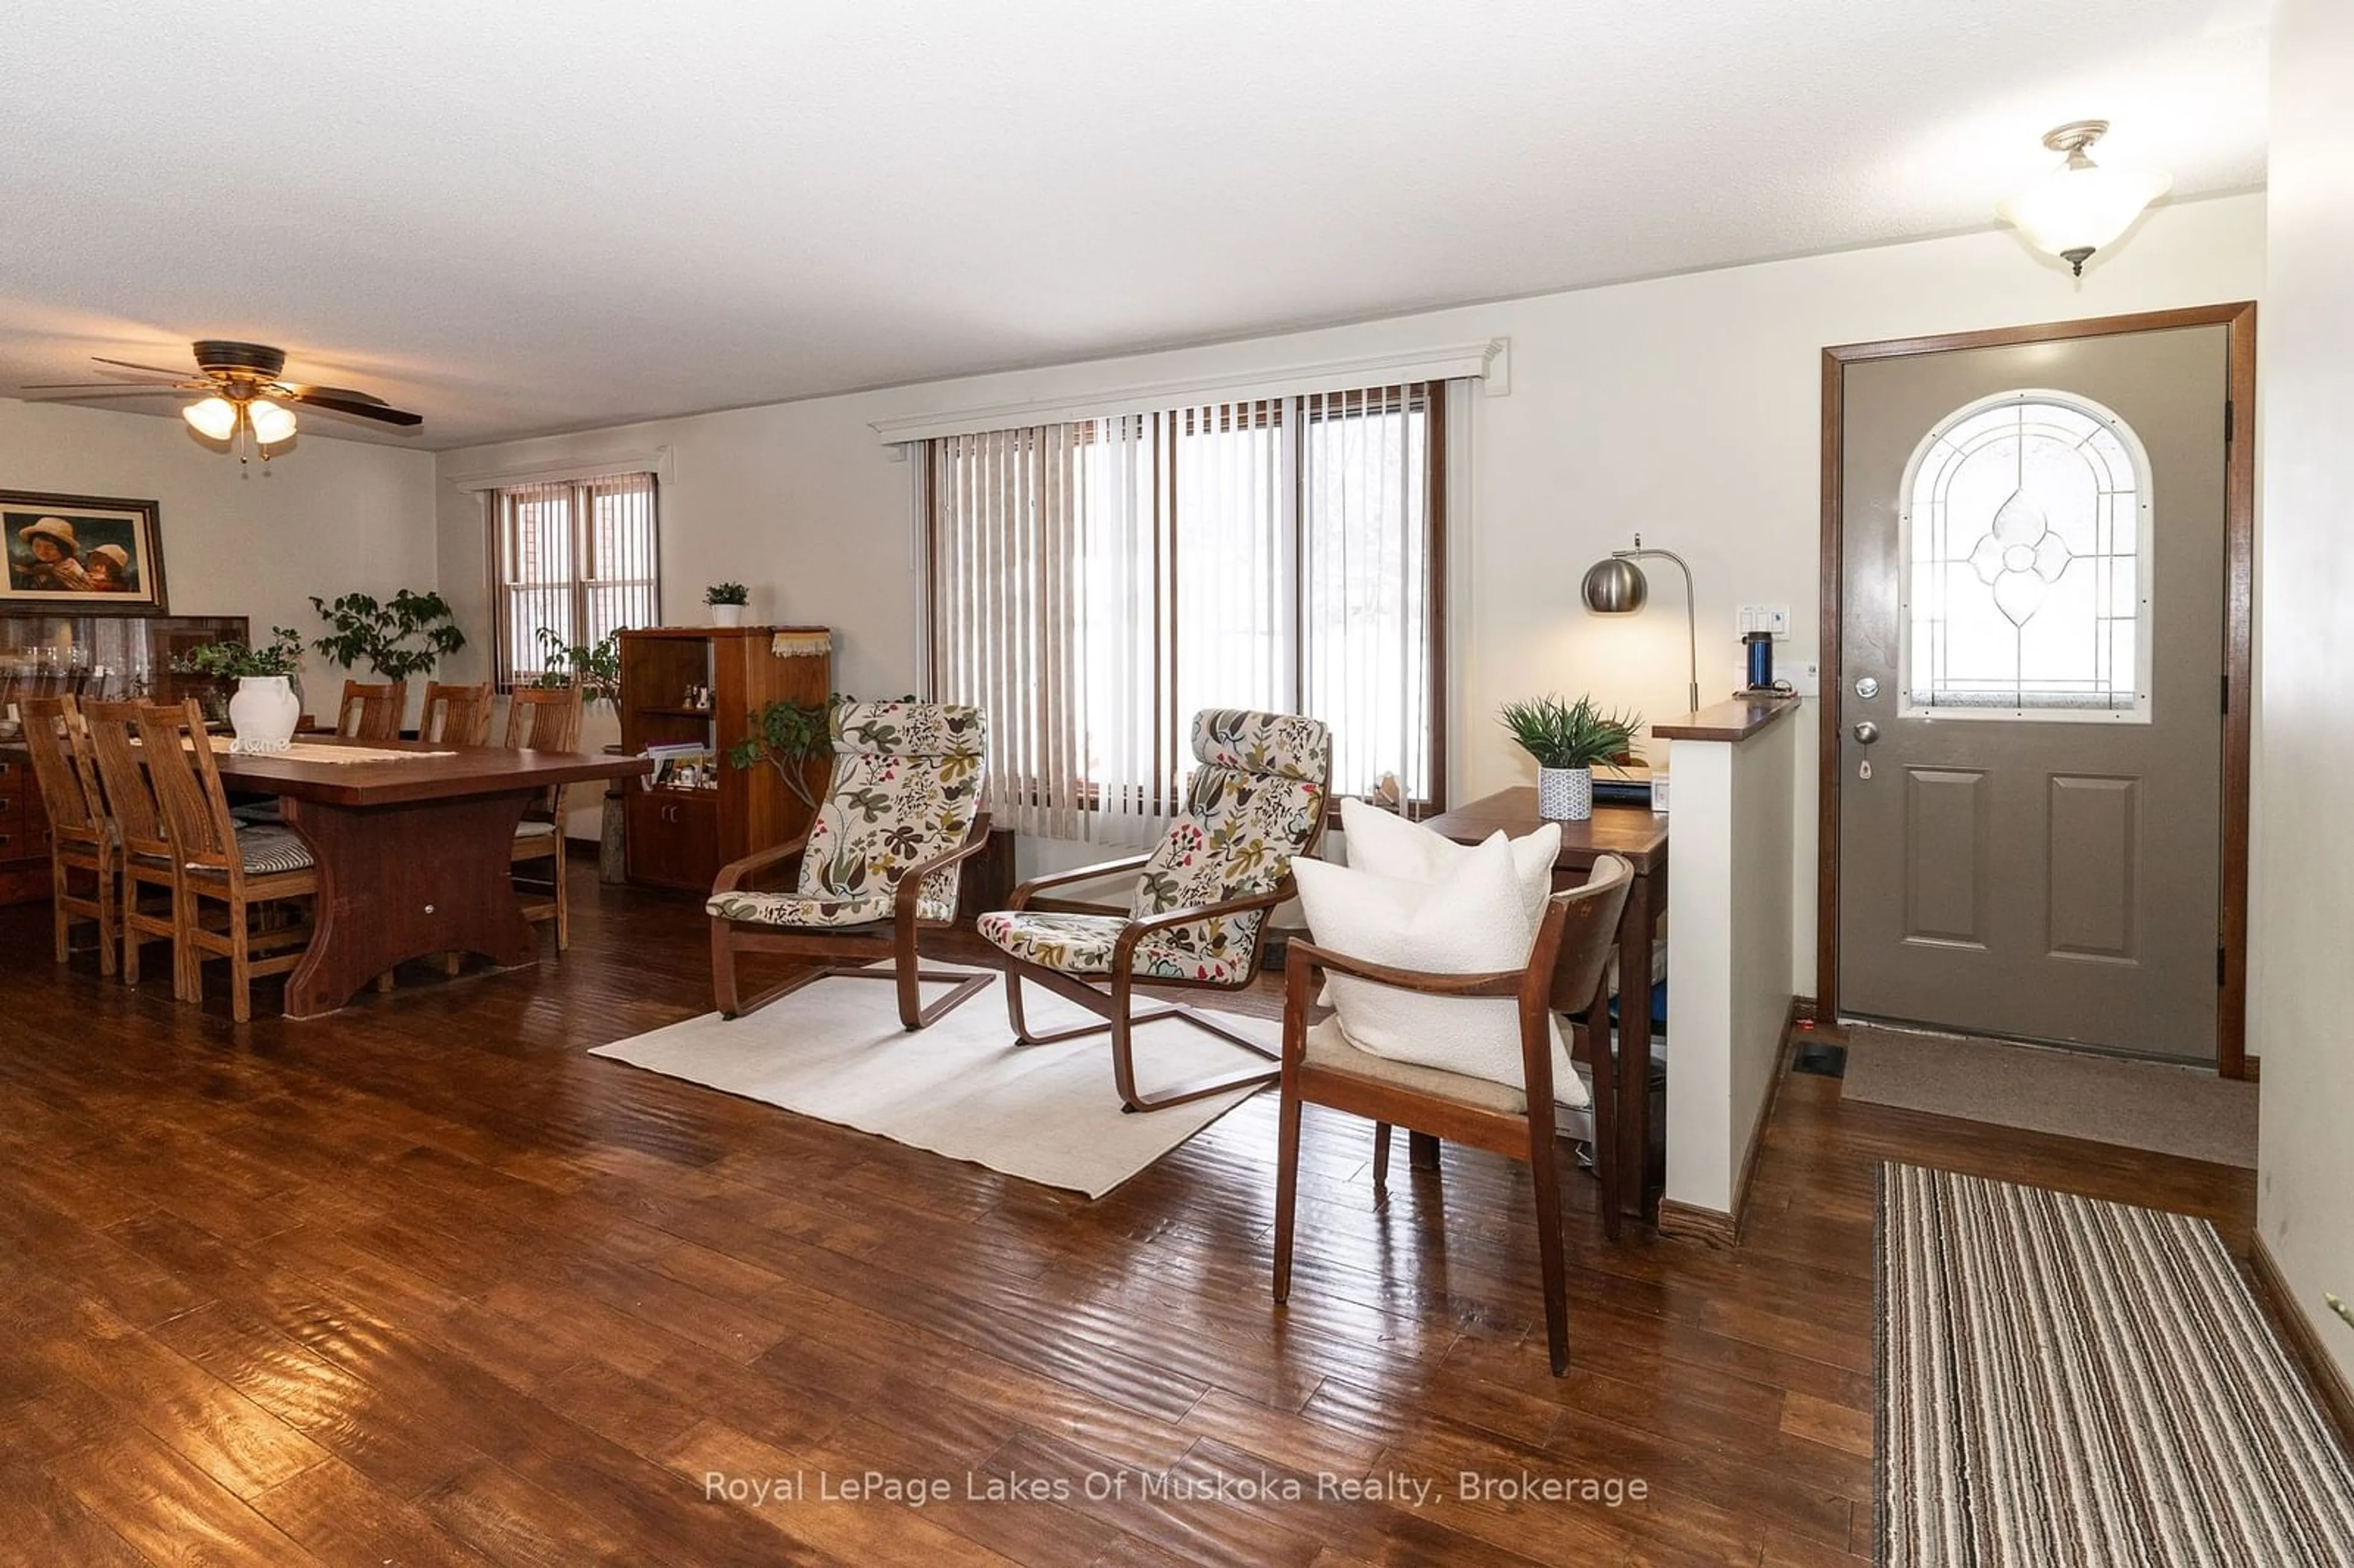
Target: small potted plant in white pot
1568, 741
266, 708
730, 603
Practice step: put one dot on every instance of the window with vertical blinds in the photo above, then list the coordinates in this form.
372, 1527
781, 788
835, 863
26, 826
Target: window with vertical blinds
1095, 584
577, 557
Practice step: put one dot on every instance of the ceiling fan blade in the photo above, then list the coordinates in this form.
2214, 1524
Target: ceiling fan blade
79, 394
359, 404
151, 369
117, 387
307, 389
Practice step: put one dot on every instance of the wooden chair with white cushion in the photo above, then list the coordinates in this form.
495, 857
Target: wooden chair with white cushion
1323, 1065
150, 908
880, 864
81, 843
1197, 919
544, 718
455, 715
371, 711
243, 871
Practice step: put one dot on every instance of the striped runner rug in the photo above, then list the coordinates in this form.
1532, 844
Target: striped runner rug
2069, 1384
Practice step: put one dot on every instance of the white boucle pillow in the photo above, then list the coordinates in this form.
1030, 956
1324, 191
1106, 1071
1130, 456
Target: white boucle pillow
1472, 919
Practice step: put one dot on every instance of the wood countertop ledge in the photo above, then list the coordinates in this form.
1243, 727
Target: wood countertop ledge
1737, 718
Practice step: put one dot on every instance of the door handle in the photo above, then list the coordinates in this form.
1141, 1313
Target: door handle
1865, 732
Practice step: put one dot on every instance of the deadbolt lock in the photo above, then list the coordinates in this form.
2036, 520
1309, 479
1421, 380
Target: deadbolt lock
1867, 687
1865, 732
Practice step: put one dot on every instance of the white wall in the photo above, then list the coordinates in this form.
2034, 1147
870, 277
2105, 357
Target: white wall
331, 517
1687, 408
1729, 944
2305, 901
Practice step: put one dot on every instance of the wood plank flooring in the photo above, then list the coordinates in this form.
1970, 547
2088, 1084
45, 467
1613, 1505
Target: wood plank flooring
426, 1284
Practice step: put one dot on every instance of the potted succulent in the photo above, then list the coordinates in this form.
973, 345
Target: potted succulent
266, 708
1567, 739
730, 603
398, 638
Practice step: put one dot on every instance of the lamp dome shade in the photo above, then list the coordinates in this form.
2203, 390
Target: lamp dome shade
2081, 206
272, 423
1615, 587
214, 418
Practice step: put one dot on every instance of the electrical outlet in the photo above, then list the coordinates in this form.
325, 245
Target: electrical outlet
1806, 680
1773, 617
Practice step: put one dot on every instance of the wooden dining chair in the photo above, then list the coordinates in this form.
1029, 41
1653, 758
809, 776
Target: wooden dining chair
81, 843
150, 908
455, 715
1564, 973
244, 872
372, 711
545, 718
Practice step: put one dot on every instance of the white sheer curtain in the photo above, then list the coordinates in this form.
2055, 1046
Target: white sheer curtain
1095, 584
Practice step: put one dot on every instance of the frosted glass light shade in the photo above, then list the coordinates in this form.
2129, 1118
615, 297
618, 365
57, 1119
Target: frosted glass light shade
215, 419
272, 422
2076, 209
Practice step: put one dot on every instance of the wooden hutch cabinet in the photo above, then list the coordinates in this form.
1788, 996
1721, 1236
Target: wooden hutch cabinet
698, 687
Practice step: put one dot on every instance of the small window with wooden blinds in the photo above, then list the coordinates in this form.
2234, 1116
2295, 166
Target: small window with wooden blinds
574, 559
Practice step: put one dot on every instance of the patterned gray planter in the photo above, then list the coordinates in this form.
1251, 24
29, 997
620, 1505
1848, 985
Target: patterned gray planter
1565, 794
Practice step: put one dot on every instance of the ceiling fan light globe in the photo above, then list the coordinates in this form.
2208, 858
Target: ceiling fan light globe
215, 419
272, 423
2081, 206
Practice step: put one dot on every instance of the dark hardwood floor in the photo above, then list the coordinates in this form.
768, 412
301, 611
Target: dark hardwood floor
424, 1283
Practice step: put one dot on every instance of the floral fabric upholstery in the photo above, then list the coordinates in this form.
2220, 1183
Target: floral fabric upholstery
906, 789
799, 909
1082, 945
1254, 802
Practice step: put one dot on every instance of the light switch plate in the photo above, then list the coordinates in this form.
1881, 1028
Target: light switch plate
1773, 617
1806, 680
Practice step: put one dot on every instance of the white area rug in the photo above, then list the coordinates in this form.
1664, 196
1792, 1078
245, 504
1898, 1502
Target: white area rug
1046, 1112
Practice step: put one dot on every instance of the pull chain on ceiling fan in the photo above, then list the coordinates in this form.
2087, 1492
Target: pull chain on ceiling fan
244, 393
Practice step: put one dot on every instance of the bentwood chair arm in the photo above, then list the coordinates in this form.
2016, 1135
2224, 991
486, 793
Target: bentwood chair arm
1100, 872
737, 872
911, 882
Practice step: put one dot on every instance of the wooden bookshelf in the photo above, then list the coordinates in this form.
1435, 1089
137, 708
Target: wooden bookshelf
681, 837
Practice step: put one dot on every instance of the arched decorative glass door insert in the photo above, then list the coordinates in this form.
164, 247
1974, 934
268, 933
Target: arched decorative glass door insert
2026, 578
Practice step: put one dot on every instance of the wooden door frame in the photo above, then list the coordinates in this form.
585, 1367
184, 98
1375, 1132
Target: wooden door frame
2232, 1060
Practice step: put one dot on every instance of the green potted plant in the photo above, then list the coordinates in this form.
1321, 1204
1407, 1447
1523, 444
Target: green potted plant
730, 603
1567, 739
788, 735
265, 709
594, 667
397, 637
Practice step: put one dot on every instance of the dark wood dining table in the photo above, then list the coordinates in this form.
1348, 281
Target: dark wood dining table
413, 855
1639, 836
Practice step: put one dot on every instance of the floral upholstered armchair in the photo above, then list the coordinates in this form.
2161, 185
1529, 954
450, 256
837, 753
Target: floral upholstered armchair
1198, 915
879, 864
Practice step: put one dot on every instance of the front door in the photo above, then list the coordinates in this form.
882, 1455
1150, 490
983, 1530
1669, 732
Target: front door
2030, 706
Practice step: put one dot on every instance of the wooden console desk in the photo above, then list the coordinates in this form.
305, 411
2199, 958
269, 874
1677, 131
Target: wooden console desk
1637, 836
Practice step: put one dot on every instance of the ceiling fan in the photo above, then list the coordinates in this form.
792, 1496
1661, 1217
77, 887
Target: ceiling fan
242, 393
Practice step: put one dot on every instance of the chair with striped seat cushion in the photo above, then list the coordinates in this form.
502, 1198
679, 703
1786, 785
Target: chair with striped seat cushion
248, 874
881, 860
1197, 914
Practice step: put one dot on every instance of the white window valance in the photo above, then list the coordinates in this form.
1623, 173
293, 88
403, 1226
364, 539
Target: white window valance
1488, 361
655, 460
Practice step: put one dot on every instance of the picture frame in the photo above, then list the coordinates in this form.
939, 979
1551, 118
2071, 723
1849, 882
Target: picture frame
79, 554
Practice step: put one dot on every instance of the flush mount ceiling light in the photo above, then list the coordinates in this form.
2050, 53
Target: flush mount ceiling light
2080, 206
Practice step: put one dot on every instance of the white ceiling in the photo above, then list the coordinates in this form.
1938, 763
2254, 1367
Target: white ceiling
521, 217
